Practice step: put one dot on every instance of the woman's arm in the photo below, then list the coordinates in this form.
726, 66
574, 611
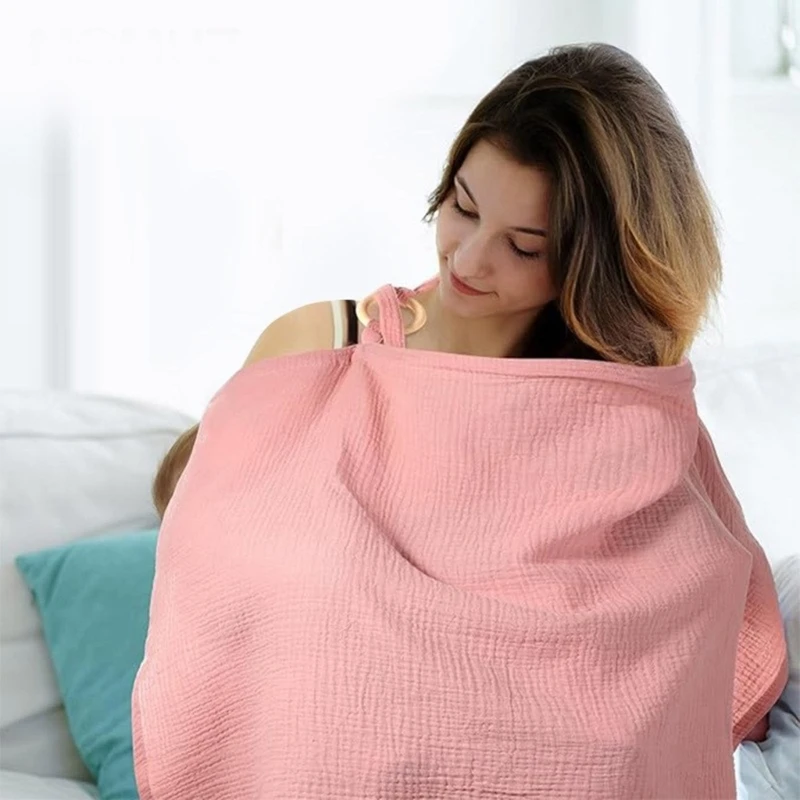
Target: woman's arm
306, 328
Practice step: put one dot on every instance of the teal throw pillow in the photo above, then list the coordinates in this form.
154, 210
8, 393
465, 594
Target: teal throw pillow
94, 598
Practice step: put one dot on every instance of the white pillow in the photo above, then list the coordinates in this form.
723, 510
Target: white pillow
770, 770
71, 466
18, 786
749, 399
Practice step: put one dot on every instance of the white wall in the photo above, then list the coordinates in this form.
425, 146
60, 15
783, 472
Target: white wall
32, 246
226, 170
21, 256
759, 199
214, 170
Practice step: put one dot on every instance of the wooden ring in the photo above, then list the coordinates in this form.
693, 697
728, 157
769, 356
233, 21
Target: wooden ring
361, 310
413, 305
420, 316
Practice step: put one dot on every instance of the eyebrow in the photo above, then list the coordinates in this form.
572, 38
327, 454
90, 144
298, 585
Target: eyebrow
535, 231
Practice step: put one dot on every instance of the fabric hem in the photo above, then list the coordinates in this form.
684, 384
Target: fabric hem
766, 700
139, 751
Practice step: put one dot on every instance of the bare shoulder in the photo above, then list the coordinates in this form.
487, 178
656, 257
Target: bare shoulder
301, 330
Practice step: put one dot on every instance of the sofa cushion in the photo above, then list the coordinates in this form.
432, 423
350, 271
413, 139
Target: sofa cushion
749, 398
71, 466
21, 786
94, 596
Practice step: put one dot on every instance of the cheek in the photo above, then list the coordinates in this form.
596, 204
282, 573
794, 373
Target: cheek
544, 285
533, 282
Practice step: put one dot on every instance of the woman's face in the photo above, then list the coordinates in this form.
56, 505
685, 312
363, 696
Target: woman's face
491, 234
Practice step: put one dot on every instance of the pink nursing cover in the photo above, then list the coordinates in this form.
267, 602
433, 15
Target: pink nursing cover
390, 573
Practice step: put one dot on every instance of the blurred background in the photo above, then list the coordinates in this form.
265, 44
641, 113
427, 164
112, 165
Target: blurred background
175, 175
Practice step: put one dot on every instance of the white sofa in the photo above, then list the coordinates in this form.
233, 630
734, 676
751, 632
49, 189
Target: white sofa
73, 466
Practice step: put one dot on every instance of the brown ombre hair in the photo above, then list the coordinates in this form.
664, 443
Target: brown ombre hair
632, 242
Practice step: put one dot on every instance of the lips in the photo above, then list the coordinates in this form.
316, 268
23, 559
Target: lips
463, 288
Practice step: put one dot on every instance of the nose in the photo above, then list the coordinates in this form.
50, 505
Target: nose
471, 258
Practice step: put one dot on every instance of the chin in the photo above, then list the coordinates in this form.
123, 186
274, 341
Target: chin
457, 303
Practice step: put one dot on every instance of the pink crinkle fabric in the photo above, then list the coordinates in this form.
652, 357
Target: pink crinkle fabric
390, 573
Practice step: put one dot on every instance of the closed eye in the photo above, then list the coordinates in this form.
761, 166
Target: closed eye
517, 251
525, 253
463, 211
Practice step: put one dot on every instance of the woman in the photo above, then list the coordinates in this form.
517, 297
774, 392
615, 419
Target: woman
485, 549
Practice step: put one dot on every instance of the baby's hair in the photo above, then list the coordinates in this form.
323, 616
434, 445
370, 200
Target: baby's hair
171, 469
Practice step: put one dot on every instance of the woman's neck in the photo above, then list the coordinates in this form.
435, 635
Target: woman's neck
444, 331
